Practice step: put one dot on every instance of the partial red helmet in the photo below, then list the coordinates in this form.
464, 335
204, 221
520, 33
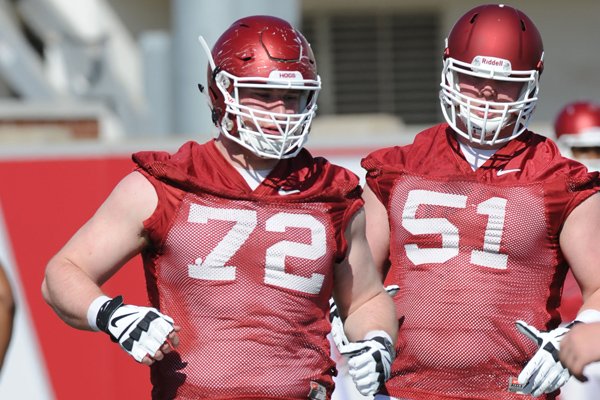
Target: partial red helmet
577, 124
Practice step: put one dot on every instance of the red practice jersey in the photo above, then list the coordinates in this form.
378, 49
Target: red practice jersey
472, 252
246, 273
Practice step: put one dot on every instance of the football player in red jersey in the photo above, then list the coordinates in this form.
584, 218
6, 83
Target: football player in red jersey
7, 314
577, 130
477, 222
244, 240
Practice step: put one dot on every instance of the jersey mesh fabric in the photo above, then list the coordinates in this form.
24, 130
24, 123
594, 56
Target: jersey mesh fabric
472, 252
249, 284
459, 336
246, 273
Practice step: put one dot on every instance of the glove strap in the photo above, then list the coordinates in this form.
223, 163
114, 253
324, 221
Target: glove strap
92, 312
106, 312
383, 338
573, 323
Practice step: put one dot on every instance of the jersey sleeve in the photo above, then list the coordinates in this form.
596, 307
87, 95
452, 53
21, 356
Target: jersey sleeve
564, 195
382, 168
349, 203
353, 207
169, 199
582, 184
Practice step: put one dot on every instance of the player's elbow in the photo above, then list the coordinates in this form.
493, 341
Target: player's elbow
55, 282
46, 286
45, 291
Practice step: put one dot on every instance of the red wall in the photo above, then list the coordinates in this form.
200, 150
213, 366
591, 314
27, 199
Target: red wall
44, 203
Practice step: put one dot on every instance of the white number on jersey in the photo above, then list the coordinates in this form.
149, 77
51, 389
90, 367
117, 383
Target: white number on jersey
489, 256
214, 267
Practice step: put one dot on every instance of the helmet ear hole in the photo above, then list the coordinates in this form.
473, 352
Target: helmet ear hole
224, 81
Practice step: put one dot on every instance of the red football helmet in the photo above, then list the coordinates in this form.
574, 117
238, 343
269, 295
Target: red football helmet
577, 129
262, 52
578, 124
494, 42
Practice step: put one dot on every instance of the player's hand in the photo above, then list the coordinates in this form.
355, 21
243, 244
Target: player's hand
143, 332
543, 373
580, 348
369, 363
337, 325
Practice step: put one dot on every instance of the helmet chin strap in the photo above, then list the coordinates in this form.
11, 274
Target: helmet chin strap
474, 124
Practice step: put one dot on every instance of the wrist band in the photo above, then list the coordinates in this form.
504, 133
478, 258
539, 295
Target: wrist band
371, 334
588, 316
384, 338
93, 309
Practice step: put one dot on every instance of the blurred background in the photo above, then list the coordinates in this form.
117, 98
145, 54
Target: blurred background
85, 83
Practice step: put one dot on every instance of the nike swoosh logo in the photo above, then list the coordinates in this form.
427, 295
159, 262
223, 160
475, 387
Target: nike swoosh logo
120, 317
507, 171
125, 330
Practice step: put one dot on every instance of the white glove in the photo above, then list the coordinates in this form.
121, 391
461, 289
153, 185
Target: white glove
140, 331
337, 326
543, 373
392, 290
370, 361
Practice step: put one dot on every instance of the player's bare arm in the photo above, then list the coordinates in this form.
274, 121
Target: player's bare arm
377, 230
359, 293
370, 323
579, 244
7, 314
100, 247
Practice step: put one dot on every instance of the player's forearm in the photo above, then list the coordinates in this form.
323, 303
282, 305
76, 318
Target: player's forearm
585, 338
6, 324
591, 301
69, 291
379, 313
7, 314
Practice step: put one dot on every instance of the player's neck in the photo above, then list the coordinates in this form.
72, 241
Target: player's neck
474, 145
240, 157
476, 157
